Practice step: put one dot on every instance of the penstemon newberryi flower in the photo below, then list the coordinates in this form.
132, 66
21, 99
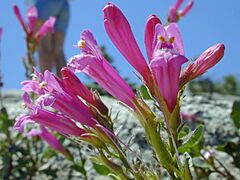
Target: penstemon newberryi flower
69, 108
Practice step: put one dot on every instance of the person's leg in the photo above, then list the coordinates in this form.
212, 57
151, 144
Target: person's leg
59, 36
45, 52
58, 52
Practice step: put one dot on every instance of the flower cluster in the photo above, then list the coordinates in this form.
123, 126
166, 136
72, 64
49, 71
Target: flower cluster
31, 26
175, 14
34, 33
68, 107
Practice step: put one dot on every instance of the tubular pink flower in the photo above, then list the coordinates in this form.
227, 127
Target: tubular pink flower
186, 9
175, 14
77, 88
152, 21
46, 118
47, 27
120, 33
19, 17
44, 134
172, 16
32, 16
167, 61
92, 63
105, 75
29, 28
205, 61
178, 4
52, 89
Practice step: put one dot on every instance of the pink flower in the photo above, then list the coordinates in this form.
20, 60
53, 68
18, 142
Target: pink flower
19, 17
44, 134
175, 14
164, 50
92, 63
47, 27
166, 62
152, 21
78, 89
205, 61
30, 26
120, 33
54, 121
32, 16
55, 94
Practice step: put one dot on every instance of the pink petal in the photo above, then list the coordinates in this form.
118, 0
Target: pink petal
21, 121
178, 4
173, 31
205, 61
77, 87
52, 140
105, 75
56, 122
46, 28
27, 101
173, 15
19, 17
73, 84
34, 132
167, 76
91, 46
32, 16
159, 31
186, 9
152, 21
120, 33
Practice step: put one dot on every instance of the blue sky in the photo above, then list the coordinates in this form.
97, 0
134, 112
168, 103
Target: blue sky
208, 23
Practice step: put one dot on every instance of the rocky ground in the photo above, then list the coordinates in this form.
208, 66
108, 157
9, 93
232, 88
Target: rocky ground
214, 114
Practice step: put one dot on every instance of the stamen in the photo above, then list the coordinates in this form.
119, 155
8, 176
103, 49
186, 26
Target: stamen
23, 105
43, 84
81, 44
161, 38
171, 40
35, 78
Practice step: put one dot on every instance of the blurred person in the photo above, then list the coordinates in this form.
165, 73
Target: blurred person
51, 52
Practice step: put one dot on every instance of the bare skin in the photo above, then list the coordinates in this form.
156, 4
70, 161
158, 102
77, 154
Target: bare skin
51, 53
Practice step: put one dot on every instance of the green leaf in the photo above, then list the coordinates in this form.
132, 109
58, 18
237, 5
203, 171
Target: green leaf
145, 92
192, 139
100, 169
185, 130
235, 115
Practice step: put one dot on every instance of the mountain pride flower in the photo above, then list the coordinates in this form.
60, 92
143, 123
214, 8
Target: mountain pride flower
60, 109
52, 92
92, 63
79, 89
166, 62
175, 14
30, 26
46, 118
205, 61
47, 136
164, 50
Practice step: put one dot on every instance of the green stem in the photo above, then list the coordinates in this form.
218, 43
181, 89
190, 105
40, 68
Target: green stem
160, 149
112, 166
